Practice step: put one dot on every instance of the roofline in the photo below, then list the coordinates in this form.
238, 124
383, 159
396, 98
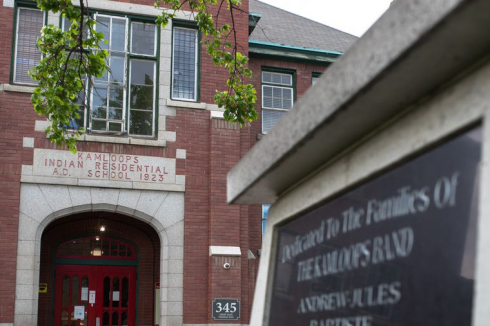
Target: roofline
410, 54
291, 47
311, 20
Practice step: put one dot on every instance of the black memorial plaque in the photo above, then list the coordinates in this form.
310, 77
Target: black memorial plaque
398, 250
226, 309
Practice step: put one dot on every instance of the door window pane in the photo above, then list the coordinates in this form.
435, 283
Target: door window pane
115, 319
73, 321
124, 292
122, 250
65, 292
64, 318
115, 292
114, 247
75, 291
124, 319
96, 246
105, 319
107, 291
84, 290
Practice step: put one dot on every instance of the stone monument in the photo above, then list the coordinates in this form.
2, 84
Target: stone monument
380, 182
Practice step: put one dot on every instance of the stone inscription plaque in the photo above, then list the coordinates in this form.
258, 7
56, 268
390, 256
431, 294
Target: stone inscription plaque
103, 166
396, 251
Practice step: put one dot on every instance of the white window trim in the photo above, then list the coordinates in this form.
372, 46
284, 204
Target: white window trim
277, 73
124, 84
87, 89
17, 43
272, 108
278, 85
195, 65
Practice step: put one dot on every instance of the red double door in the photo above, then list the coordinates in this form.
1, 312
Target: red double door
95, 296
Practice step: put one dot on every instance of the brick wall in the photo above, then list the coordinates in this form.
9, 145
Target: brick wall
212, 148
9, 177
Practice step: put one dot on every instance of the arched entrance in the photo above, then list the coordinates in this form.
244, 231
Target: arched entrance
53, 215
104, 278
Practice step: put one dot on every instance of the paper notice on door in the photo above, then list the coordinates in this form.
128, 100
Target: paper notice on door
91, 297
80, 312
115, 296
84, 294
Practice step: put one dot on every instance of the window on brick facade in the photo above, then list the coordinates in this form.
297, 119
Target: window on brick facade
123, 100
184, 64
277, 97
28, 29
79, 122
315, 77
265, 213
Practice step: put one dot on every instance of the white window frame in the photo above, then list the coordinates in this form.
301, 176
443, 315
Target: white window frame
277, 73
277, 109
155, 52
275, 85
14, 77
87, 87
196, 67
124, 84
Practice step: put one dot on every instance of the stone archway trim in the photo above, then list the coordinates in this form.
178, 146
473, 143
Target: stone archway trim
40, 204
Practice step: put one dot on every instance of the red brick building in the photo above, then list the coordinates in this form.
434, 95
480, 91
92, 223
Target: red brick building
134, 229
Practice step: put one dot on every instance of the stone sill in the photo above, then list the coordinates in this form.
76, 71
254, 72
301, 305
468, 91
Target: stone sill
217, 115
193, 105
17, 88
122, 140
41, 126
224, 251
